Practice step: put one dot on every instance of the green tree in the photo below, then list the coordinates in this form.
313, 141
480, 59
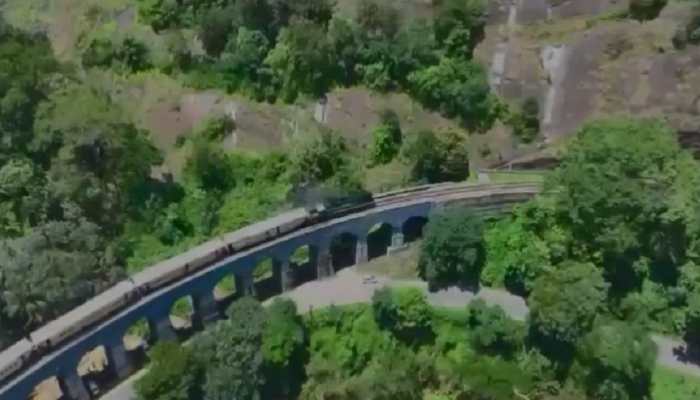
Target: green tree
563, 307
516, 257
387, 138
459, 25
283, 349
215, 28
54, 268
623, 192
452, 251
457, 88
302, 61
526, 122
492, 331
174, 374
435, 159
618, 360
404, 312
242, 59
377, 18
645, 10
318, 158
26, 68
692, 323
160, 14
209, 167
232, 353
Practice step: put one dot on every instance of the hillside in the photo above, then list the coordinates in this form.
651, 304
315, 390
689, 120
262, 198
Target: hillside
586, 59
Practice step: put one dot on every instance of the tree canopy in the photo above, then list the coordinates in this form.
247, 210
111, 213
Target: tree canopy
452, 251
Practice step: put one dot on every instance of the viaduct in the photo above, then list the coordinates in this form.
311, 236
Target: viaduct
402, 216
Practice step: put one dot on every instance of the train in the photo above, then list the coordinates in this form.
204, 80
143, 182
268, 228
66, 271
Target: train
127, 292
57, 332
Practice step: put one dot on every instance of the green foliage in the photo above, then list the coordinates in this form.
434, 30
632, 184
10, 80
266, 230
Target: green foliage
435, 159
492, 332
526, 122
160, 14
404, 312
215, 28
452, 251
127, 55
619, 360
692, 323
232, 353
302, 61
645, 10
622, 190
457, 88
283, 349
174, 374
387, 138
515, 254
55, 267
217, 128
209, 167
377, 19
242, 62
459, 25
563, 306
321, 170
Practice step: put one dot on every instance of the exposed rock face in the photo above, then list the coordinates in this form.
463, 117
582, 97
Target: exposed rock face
581, 62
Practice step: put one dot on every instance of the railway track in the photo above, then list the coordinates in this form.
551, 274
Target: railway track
486, 197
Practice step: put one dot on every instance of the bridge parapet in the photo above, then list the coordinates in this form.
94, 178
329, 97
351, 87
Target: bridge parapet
199, 286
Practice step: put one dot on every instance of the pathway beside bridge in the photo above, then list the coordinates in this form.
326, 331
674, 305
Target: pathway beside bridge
349, 286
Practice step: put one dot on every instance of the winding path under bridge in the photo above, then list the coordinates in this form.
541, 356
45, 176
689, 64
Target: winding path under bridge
394, 210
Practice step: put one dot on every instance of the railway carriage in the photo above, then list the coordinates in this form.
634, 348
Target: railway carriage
13, 358
176, 267
83, 317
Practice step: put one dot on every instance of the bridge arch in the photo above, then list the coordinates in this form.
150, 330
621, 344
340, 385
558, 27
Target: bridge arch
412, 228
155, 306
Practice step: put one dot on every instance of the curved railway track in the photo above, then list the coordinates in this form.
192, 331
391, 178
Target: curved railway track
121, 304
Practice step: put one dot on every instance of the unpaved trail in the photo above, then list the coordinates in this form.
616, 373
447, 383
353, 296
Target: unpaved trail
347, 287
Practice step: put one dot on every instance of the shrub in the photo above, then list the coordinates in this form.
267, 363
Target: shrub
387, 138
646, 10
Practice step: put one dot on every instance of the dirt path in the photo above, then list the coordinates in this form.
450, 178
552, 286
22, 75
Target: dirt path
347, 287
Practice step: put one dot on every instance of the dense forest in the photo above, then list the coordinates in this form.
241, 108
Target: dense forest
83, 200
606, 255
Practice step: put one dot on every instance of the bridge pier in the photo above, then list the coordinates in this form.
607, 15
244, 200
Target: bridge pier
162, 329
118, 359
397, 241
285, 274
73, 386
361, 251
206, 309
245, 284
324, 261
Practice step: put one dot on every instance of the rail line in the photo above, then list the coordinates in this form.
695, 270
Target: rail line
396, 206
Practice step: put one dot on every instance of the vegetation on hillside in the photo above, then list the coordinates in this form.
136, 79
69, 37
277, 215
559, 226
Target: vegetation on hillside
84, 196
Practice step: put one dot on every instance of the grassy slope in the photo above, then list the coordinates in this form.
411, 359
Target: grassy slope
672, 385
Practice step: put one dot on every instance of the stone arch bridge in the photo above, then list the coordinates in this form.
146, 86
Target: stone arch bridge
402, 216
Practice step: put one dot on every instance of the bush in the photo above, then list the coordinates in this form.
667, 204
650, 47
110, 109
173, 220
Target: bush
437, 160
492, 331
129, 55
405, 312
216, 129
174, 374
526, 123
452, 252
387, 138
646, 10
